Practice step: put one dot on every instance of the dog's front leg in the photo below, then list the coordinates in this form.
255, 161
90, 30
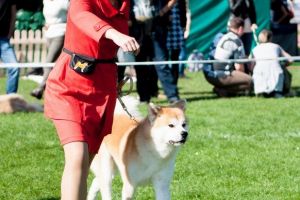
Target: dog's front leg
127, 191
94, 189
162, 180
162, 191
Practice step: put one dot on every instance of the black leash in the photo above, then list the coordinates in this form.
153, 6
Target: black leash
120, 94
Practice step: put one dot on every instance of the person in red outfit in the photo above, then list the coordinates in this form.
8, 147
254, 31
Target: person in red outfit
81, 89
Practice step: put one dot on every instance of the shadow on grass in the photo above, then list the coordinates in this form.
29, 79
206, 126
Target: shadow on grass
197, 93
296, 91
190, 99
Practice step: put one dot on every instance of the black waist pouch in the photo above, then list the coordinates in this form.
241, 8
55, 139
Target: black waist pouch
83, 64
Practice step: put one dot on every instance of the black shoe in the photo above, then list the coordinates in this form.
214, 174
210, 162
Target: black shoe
35, 71
37, 93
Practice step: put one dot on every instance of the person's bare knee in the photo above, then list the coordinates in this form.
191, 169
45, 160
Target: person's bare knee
76, 153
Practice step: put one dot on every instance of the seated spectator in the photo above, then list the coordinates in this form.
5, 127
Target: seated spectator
270, 77
229, 79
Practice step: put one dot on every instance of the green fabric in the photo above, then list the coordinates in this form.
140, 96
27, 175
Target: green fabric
29, 20
210, 17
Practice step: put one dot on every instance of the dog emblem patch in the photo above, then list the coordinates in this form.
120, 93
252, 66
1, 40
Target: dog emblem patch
81, 66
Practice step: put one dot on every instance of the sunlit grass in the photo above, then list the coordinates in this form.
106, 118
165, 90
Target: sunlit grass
238, 148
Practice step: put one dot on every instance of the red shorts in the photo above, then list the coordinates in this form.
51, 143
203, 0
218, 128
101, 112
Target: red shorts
70, 131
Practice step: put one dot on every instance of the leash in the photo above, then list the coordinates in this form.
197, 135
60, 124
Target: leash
120, 94
122, 83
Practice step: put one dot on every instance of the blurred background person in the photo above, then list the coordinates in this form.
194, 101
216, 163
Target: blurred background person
285, 33
270, 77
159, 39
230, 79
8, 11
185, 20
175, 35
245, 9
55, 13
140, 28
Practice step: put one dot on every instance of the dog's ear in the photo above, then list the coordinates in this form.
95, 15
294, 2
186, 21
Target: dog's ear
180, 104
153, 111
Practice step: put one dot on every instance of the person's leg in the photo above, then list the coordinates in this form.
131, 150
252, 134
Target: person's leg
8, 56
77, 159
146, 84
182, 56
175, 67
74, 179
54, 49
153, 81
247, 39
236, 82
164, 72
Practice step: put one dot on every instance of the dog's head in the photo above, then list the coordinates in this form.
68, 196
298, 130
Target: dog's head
169, 123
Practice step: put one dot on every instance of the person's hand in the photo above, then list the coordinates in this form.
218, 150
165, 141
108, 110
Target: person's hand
127, 43
186, 34
253, 27
46, 27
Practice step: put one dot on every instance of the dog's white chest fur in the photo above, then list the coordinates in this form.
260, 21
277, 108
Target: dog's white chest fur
152, 162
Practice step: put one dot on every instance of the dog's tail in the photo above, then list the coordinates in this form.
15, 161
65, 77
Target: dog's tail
131, 104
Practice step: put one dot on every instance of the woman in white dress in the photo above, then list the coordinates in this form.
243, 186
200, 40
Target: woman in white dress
268, 75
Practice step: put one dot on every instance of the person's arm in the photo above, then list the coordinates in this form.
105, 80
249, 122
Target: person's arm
284, 14
234, 5
252, 63
96, 28
12, 20
167, 7
126, 42
82, 15
239, 67
252, 13
239, 53
287, 55
188, 20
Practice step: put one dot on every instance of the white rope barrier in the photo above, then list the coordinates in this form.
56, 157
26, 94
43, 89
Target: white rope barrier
37, 65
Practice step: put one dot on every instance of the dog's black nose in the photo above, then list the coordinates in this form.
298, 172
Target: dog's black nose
184, 134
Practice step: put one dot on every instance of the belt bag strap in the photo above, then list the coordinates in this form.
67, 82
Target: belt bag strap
90, 59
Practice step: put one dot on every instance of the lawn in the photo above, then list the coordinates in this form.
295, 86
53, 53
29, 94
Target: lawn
239, 148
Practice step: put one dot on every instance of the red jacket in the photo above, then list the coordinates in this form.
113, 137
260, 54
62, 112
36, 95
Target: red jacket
87, 22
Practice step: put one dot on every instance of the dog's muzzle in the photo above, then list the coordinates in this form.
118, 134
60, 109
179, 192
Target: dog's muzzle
184, 136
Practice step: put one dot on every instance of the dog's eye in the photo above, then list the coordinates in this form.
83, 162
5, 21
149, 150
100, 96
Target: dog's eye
184, 125
171, 125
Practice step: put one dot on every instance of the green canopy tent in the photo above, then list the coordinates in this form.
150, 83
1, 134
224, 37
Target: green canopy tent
210, 17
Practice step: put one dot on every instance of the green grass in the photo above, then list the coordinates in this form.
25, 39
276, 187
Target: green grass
238, 148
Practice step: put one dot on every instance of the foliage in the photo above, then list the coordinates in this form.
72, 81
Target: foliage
29, 20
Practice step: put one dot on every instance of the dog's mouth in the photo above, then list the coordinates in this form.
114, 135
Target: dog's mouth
175, 143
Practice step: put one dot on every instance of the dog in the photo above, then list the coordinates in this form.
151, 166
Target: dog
144, 151
11, 103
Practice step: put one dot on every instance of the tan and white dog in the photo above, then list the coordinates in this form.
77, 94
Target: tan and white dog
144, 152
11, 103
